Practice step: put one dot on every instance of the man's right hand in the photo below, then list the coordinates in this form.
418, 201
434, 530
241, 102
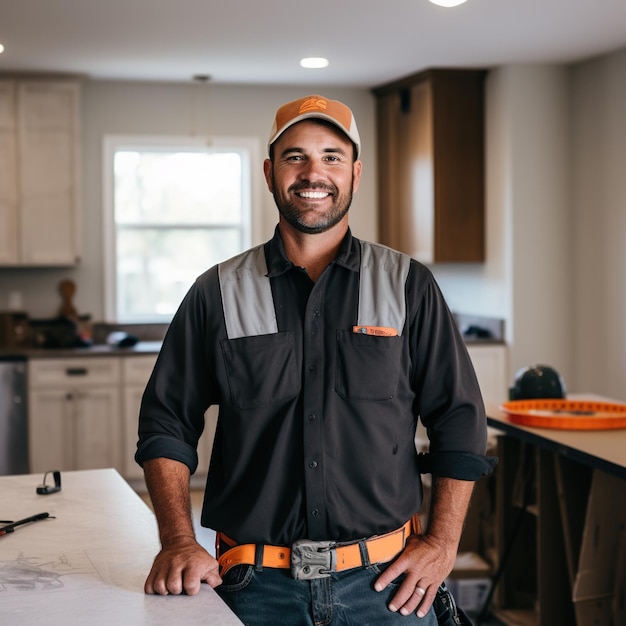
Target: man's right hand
181, 566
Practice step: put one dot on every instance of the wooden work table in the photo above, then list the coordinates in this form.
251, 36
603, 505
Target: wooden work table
599, 449
560, 524
88, 564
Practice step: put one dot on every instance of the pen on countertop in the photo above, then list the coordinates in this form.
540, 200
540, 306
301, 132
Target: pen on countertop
33, 518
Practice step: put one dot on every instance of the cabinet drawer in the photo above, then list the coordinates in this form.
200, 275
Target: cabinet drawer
78, 372
137, 370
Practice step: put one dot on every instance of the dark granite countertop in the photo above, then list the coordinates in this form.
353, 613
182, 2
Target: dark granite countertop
142, 348
479, 341
476, 331
139, 349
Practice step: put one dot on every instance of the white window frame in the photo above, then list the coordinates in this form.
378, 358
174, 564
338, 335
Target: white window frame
251, 167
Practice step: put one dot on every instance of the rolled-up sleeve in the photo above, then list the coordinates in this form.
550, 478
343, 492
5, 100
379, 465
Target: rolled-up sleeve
448, 398
181, 387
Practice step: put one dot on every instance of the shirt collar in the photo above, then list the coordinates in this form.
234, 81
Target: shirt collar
349, 254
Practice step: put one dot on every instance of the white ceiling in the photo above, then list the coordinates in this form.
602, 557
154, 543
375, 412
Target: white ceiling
261, 41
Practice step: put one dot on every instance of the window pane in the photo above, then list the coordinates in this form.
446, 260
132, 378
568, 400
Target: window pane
178, 206
156, 267
178, 187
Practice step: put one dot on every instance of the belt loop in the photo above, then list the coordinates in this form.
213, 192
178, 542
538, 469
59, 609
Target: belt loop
365, 555
416, 527
258, 557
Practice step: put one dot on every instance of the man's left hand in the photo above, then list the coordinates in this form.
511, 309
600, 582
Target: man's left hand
426, 562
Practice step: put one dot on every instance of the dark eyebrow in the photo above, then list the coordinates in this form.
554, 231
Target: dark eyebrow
299, 150
291, 149
336, 150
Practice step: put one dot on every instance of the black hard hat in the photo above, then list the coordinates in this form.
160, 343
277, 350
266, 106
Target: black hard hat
538, 381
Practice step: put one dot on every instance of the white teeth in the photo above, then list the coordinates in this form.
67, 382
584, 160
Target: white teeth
318, 195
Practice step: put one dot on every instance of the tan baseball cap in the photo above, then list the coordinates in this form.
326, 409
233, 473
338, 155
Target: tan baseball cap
317, 107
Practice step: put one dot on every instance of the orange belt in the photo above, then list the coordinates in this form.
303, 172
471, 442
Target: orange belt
315, 559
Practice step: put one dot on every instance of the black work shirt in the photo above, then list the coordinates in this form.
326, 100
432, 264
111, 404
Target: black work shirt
316, 427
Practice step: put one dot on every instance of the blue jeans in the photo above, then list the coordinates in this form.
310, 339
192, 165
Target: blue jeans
271, 597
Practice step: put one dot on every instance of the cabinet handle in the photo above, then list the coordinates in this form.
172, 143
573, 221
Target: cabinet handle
76, 371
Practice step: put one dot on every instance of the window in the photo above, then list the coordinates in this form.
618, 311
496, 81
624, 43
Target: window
174, 208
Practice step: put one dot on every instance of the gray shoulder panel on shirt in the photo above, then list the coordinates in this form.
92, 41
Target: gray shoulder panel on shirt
382, 299
247, 295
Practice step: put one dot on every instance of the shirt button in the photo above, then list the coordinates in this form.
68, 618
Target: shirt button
313, 464
312, 369
311, 417
315, 513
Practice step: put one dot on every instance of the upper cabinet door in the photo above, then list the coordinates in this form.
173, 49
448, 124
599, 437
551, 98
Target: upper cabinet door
8, 174
49, 172
430, 129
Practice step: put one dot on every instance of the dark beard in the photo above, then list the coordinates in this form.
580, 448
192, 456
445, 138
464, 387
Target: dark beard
292, 216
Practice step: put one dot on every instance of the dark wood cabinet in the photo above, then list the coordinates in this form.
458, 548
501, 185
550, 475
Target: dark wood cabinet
430, 137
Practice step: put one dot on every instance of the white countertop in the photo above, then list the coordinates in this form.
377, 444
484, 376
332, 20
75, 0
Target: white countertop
89, 564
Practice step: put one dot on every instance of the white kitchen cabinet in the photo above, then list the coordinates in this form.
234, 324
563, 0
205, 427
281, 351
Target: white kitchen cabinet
83, 414
40, 190
8, 173
135, 374
74, 414
490, 364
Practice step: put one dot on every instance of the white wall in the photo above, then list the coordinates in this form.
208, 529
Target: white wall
557, 138
599, 193
134, 108
556, 221
541, 321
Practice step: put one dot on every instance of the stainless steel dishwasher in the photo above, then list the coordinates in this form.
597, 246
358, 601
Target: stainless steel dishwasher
13, 416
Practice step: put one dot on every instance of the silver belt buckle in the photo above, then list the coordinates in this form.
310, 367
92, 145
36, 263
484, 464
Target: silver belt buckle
312, 559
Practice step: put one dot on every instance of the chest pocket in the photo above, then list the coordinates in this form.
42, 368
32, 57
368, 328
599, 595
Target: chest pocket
361, 358
260, 361
254, 344
261, 370
368, 368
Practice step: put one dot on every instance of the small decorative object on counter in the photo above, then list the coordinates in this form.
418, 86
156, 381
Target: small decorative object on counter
14, 329
121, 339
58, 332
68, 329
45, 489
537, 381
67, 291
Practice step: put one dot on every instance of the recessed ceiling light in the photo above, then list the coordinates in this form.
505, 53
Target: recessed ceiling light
448, 3
1, 48
314, 62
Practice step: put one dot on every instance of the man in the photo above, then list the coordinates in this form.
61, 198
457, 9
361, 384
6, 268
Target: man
321, 351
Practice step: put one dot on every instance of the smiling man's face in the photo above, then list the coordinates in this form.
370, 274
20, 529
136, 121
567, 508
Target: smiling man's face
313, 176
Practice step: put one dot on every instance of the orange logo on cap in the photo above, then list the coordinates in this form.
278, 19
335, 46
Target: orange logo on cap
313, 104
